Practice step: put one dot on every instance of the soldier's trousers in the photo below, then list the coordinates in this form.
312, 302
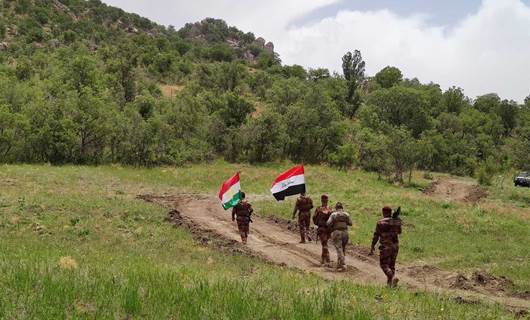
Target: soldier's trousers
304, 220
243, 228
324, 236
340, 240
387, 259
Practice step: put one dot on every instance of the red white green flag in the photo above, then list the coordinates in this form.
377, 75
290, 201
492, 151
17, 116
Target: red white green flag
230, 193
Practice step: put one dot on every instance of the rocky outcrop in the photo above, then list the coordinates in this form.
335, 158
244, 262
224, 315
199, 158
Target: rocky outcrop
248, 56
217, 31
269, 47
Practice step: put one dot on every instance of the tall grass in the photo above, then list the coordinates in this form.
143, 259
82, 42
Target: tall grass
75, 243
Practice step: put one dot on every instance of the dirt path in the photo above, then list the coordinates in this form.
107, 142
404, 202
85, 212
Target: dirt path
451, 189
275, 243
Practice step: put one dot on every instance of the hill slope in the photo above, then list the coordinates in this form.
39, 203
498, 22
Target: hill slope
87, 83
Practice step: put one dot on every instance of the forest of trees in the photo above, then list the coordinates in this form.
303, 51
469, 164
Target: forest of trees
82, 83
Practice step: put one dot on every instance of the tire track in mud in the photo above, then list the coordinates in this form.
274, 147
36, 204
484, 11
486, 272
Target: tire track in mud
278, 245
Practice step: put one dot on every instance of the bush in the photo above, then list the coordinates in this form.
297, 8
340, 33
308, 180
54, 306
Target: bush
344, 157
486, 172
23, 71
2, 30
428, 176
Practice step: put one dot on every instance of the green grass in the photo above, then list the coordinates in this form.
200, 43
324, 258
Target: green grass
130, 263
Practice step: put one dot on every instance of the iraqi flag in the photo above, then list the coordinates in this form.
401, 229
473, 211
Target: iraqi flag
289, 183
230, 193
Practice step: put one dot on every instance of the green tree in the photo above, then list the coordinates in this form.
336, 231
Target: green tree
91, 117
315, 128
353, 69
373, 151
264, 137
220, 52
403, 152
520, 143
388, 77
235, 110
231, 75
400, 106
14, 129
3, 30
507, 111
286, 92
344, 157
23, 70
454, 100
487, 103
486, 171
82, 72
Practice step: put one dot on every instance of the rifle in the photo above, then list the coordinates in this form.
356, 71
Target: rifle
396, 213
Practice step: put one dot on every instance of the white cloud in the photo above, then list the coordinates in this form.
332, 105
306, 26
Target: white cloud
486, 52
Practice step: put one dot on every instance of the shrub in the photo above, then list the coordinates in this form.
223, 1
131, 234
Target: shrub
486, 172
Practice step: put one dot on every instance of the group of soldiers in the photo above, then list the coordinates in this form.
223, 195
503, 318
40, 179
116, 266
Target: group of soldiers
332, 224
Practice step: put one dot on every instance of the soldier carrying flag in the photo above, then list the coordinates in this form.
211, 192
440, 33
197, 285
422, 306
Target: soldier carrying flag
231, 196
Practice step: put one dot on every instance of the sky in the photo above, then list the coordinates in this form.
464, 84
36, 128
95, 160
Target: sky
482, 46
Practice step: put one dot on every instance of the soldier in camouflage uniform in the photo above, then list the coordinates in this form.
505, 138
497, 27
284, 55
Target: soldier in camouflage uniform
338, 222
387, 232
320, 219
303, 206
241, 213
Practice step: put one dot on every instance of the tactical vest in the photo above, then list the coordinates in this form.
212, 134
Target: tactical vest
304, 204
242, 210
389, 230
321, 218
340, 222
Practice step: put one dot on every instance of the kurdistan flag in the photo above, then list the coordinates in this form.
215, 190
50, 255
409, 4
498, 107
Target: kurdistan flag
230, 192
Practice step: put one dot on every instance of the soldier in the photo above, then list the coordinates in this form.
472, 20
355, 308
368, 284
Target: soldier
338, 223
320, 219
242, 212
303, 206
386, 232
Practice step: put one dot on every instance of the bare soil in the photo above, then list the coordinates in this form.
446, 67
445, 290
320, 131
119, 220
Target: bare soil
451, 189
276, 240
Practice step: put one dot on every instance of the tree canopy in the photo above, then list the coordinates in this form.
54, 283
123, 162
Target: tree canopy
87, 83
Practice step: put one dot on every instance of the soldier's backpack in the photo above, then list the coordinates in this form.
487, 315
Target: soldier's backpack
304, 204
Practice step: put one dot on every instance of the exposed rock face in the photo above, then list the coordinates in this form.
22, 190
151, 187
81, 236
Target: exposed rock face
4, 46
269, 47
233, 43
62, 8
216, 31
248, 56
132, 29
261, 42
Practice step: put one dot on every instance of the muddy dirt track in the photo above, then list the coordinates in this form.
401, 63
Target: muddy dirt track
450, 189
274, 242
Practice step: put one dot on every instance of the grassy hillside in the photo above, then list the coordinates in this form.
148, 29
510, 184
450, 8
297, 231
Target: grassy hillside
76, 243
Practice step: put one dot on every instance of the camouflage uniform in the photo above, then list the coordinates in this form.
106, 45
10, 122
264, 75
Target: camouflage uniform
303, 206
338, 223
320, 219
386, 232
241, 213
